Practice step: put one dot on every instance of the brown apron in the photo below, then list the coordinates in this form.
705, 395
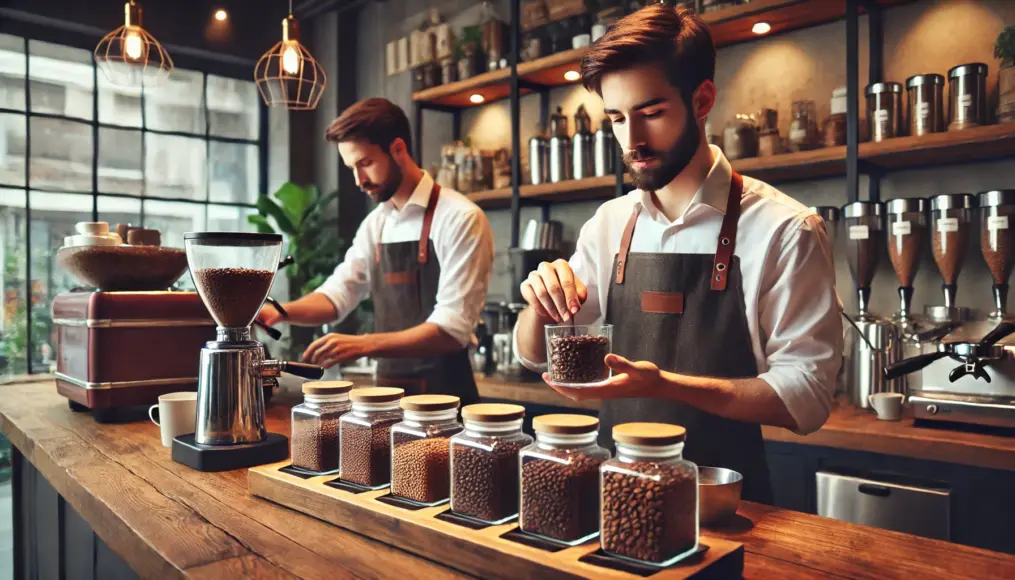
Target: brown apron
403, 283
686, 314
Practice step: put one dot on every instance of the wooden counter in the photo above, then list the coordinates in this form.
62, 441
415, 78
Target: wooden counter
168, 521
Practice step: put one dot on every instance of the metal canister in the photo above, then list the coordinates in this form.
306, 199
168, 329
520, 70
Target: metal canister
560, 148
967, 96
581, 144
926, 114
539, 159
884, 111
605, 145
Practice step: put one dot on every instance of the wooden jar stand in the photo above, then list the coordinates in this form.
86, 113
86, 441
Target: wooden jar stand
481, 552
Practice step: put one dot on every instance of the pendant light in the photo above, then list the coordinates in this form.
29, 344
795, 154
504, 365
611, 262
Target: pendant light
129, 56
288, 75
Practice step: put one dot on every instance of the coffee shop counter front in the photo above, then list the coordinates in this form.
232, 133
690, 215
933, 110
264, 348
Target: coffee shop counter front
107, 501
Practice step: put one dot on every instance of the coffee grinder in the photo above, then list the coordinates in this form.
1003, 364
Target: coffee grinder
233, 273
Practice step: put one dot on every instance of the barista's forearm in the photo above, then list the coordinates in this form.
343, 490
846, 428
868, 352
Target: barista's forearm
750, 400
314, 309
530, 335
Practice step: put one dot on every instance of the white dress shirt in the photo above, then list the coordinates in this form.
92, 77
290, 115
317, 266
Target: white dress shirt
464, 246
786, 267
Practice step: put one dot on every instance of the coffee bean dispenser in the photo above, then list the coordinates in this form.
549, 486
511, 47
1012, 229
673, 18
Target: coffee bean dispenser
649, 495
907, 230
951, 217
484, 463
365, 436
421, 449
314, 440
997, 242
560, 479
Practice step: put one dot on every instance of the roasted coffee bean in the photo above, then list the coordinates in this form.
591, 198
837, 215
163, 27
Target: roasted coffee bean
560, 495
485, 481
949, 252
421, 468
650, 514
314, 444
365, 453
233, 295
904, 252
579, 359
999, 252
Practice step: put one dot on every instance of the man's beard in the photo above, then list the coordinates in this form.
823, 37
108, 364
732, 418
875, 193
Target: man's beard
671, 162
383, 192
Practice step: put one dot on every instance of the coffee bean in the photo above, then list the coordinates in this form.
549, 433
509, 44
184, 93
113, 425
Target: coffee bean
365, 452
579, 359
904, 252
485, 480
999, 252
560, 495
421, 468
649, 520
314, 443
949, 251
233, 295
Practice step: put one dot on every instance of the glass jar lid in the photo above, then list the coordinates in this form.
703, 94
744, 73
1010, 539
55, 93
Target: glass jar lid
376, 395
428, 403
878, 88
565, 424
946, 201
997, 198
929, 79
973, 68
828, 213
906, 205
327, 387
492, 412
650, 434
862, 209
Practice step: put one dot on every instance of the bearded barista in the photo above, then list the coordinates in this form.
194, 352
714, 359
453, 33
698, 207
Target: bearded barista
423, 255
719, 287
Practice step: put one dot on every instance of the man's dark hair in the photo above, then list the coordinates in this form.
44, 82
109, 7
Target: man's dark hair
673, 37
376, 120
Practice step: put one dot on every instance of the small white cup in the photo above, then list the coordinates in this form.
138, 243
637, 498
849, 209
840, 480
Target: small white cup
177, 412
92, 228
888, 406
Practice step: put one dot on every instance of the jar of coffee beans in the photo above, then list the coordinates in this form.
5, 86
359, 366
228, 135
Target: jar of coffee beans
576, 353
314, 442
365, 436
951, 217
421, 449
560, 479
997, 242
484, 462
650, 495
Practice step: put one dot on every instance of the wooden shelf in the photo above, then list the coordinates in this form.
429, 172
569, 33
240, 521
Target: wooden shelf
816, 164
976, 144
571, 190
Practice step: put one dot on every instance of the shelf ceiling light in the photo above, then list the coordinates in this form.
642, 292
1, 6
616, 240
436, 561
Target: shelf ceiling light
760, 28
476, 98
572, 76
129, 56
288, 75
221, 15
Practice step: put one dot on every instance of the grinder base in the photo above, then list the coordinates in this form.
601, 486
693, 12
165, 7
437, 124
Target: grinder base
188, 451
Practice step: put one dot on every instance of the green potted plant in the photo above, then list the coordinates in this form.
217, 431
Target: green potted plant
1004, 50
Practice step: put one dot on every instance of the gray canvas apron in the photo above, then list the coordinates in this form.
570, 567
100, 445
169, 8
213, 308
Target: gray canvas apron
403, 283
686, 314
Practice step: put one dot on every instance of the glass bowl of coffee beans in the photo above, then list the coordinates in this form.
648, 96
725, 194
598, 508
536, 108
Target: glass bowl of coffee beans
576, 354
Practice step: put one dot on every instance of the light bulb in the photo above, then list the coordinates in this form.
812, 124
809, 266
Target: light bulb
761, 28
572, 75
133, 46
476, 98
221, 15
291, 60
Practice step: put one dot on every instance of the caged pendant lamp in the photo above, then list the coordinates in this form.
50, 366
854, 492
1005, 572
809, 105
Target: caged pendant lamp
130, 56
288, 75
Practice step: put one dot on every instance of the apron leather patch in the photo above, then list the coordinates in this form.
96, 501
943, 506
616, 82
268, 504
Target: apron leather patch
662, 302
400, 278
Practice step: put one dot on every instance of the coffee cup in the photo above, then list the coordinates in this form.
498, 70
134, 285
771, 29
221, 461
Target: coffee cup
92, 228
888, 406
177, 415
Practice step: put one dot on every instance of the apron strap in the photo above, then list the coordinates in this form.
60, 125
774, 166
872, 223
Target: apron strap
727, 233
424, 238
625, 243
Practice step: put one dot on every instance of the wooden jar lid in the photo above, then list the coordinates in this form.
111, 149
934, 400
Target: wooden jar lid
376, 394
565, 424
649, 434
326, 387
493, 412
430, 402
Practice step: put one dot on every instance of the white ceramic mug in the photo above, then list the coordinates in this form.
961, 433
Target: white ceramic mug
177, 412
888, 406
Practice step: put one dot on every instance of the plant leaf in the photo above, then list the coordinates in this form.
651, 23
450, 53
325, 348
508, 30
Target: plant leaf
263, 226
269, 207
294, 200
319, 202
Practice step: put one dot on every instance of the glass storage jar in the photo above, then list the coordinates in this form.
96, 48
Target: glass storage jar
740, 138
926, 111
997, 242
907, 230
803, 127
576, 353
884, 111
864, 222
313, 445
952, 214
560, 479
365, 436
967, 96
649, 476
420, 448
484, 462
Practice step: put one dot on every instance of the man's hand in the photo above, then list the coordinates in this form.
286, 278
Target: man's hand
630, 379
269, 315
554, 292
334, 348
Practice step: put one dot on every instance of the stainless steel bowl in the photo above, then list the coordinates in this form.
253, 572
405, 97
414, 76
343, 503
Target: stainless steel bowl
718, 494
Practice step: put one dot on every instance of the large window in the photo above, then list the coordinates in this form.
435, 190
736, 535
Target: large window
186, 155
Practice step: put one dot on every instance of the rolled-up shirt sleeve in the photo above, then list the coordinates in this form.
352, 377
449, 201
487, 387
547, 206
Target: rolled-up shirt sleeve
801, 330
465, 250
349, 284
